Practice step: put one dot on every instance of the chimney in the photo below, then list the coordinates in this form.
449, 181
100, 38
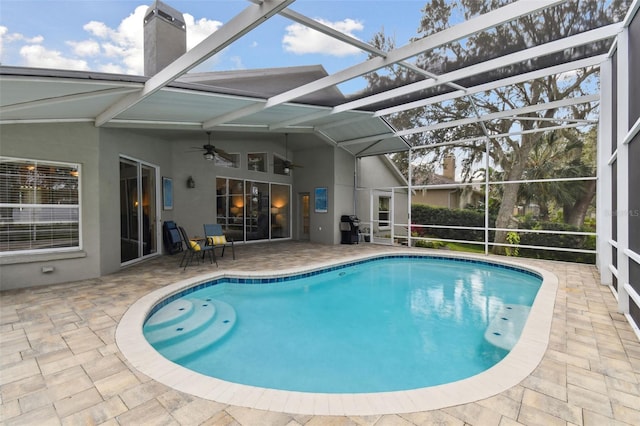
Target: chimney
449, 167
165, 37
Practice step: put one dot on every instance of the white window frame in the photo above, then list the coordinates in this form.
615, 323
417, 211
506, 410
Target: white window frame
77, 206
384, 224
223, 162
263, 162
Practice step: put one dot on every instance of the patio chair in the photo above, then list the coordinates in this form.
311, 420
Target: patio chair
195, 248
172, 239
216, 238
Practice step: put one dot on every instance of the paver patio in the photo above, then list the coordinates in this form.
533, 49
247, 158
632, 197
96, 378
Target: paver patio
60, 364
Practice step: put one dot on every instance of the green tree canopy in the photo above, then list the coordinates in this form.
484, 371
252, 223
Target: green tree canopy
511, 154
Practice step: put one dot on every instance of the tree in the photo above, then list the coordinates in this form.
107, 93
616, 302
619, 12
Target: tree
509, 154
377, 82
568, 153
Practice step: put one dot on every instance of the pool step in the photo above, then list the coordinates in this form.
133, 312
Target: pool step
210, 321
170, 314
175, 329
506, 326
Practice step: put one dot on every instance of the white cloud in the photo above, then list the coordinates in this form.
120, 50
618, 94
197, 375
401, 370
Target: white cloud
301, 40
98, 29
122, 45
199, 30
237, 63
6, 38
37, 56
115, 50
85, 48
111, 68
3, 32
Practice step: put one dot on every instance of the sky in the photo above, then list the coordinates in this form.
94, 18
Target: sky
106, 35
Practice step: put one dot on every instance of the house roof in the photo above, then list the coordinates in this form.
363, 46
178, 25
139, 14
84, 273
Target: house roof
43, 95
306, 99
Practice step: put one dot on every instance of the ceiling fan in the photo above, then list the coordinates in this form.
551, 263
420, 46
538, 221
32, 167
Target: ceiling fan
211, 152
288, 165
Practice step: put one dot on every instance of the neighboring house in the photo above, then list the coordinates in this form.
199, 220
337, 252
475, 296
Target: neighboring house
91, 166
446, 191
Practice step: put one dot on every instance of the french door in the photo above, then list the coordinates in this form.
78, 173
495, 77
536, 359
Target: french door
252, 211
138, 210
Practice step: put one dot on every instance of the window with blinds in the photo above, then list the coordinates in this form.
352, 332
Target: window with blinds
39, 206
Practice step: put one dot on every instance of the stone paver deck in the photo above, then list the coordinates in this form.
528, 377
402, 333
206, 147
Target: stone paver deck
60, 364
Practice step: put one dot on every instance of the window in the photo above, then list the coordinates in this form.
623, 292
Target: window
231, 160
39, 205
383, 212
257, 162
280, 165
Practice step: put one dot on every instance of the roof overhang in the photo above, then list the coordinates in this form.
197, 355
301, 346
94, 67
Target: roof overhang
50, 96
298, 99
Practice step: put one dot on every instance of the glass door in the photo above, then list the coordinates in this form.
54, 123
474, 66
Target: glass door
230, 207
257, 211
305, 216
253, 211
138, 210
280, 200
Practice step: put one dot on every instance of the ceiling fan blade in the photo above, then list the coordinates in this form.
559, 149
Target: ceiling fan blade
221, 151
223, 154
291, 165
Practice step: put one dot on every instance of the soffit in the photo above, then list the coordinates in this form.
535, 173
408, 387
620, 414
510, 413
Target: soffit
45, 96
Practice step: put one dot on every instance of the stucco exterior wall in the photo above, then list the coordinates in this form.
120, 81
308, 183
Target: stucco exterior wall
99, 151
195, 206
74, 143
375, 179
140, 146
318, 171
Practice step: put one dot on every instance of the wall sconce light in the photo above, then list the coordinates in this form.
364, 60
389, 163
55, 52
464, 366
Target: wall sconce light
275, 210
191, 183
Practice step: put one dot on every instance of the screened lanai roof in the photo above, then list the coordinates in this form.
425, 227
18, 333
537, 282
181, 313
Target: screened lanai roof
308, 99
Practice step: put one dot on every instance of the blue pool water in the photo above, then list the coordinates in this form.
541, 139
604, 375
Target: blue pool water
389, 324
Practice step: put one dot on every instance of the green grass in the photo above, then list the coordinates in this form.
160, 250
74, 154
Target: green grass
462, 247
467, 248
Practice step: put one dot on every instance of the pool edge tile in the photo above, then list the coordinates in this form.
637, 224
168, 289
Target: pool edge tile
534, 339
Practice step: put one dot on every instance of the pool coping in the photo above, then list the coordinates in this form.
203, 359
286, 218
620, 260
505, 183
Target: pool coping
515, 367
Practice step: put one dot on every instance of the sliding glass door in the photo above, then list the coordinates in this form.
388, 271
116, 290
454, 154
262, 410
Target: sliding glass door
253, 211
138, 210
280, 211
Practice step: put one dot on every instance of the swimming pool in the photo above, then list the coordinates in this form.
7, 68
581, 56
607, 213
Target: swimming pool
515, 366
385, 324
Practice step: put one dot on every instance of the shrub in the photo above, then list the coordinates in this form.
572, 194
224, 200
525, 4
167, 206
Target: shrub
556, 240
512, 238
428, 215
